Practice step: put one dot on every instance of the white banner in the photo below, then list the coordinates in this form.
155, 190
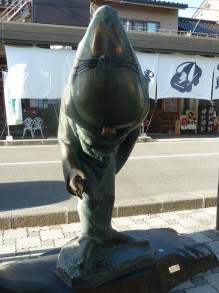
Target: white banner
35, 73
215, 93
13, 106
149, 63
184, 76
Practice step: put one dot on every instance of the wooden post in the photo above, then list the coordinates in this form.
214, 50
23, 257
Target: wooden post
217, 213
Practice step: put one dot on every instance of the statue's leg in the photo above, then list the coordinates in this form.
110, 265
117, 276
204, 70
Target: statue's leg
91, 235
95, 209
87, 245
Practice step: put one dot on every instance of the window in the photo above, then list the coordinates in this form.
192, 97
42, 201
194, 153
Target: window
153, 27
127, 24
138, 25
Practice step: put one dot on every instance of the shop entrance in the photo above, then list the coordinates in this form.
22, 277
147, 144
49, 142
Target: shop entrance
163, 116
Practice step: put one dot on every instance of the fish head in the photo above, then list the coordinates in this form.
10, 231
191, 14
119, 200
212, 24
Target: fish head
108, 89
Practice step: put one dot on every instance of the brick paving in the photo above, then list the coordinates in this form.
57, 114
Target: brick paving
22, 243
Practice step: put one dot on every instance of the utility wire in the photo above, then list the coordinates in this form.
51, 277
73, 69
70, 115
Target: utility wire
198, 8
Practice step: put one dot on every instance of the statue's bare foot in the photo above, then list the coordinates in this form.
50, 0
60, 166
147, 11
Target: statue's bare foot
86, 248
124, 238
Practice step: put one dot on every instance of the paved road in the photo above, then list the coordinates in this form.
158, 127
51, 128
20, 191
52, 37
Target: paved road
32, 175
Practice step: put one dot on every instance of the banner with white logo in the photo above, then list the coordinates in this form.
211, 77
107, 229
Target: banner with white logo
184, 76
13, 106
149, 63
215, 92
36, 73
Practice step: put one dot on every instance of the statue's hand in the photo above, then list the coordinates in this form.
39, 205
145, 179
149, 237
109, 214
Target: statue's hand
75, 185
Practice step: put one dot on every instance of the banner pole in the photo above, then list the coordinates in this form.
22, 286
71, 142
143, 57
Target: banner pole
8, 137
8, 130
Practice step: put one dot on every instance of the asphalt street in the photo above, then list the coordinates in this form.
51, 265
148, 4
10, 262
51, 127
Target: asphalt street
31, 176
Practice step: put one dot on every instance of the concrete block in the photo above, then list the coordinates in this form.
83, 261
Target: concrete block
210, 211
51, 234
198, 280
210, 201
144, 139
146, 206
38, 217
9, 241
213, 279
13, 234
202, 289
185, 285
72, 215
123, 221
73, 227
156, 223
60, 242
215, 248
115, 211
29, 242
215, 270
172, 203
8, 250
5, 220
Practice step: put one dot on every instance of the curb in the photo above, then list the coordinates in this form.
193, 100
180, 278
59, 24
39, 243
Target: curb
53, 141
25, 142
141, 139
42, 216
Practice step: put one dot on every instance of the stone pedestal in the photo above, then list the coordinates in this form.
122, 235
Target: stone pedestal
177, 259
108, 262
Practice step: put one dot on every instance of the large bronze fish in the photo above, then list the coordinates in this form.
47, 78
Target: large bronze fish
103, 105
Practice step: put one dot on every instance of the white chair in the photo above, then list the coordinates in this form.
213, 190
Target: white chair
37, 124
28, 125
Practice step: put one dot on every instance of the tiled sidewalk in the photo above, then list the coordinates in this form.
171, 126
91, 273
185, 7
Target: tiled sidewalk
200, 224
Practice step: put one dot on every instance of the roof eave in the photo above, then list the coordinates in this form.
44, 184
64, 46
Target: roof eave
164, 5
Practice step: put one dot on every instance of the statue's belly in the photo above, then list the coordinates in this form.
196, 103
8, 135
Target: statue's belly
113, 99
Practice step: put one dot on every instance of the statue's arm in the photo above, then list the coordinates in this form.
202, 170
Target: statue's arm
126, 148
74, 177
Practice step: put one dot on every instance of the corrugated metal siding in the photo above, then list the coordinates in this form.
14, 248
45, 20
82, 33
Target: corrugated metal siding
62, 12
201, 28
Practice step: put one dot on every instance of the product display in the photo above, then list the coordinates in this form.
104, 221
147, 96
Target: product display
209, 119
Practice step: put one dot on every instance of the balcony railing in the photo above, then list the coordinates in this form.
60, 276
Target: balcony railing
13, 8
6, 3
172, 32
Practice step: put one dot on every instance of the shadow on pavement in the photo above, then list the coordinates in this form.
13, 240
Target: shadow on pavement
31, 194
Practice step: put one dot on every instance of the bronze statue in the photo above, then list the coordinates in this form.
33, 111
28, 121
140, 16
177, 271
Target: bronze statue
102, 108
103, 105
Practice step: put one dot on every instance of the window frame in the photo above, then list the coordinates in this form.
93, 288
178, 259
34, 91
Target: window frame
144, 22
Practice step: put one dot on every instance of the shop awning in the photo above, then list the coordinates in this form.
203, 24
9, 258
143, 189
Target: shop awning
36, 73
185, 76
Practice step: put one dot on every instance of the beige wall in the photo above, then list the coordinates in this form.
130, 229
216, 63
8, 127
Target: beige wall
167, 17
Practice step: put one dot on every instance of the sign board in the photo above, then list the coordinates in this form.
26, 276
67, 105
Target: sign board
13, 106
